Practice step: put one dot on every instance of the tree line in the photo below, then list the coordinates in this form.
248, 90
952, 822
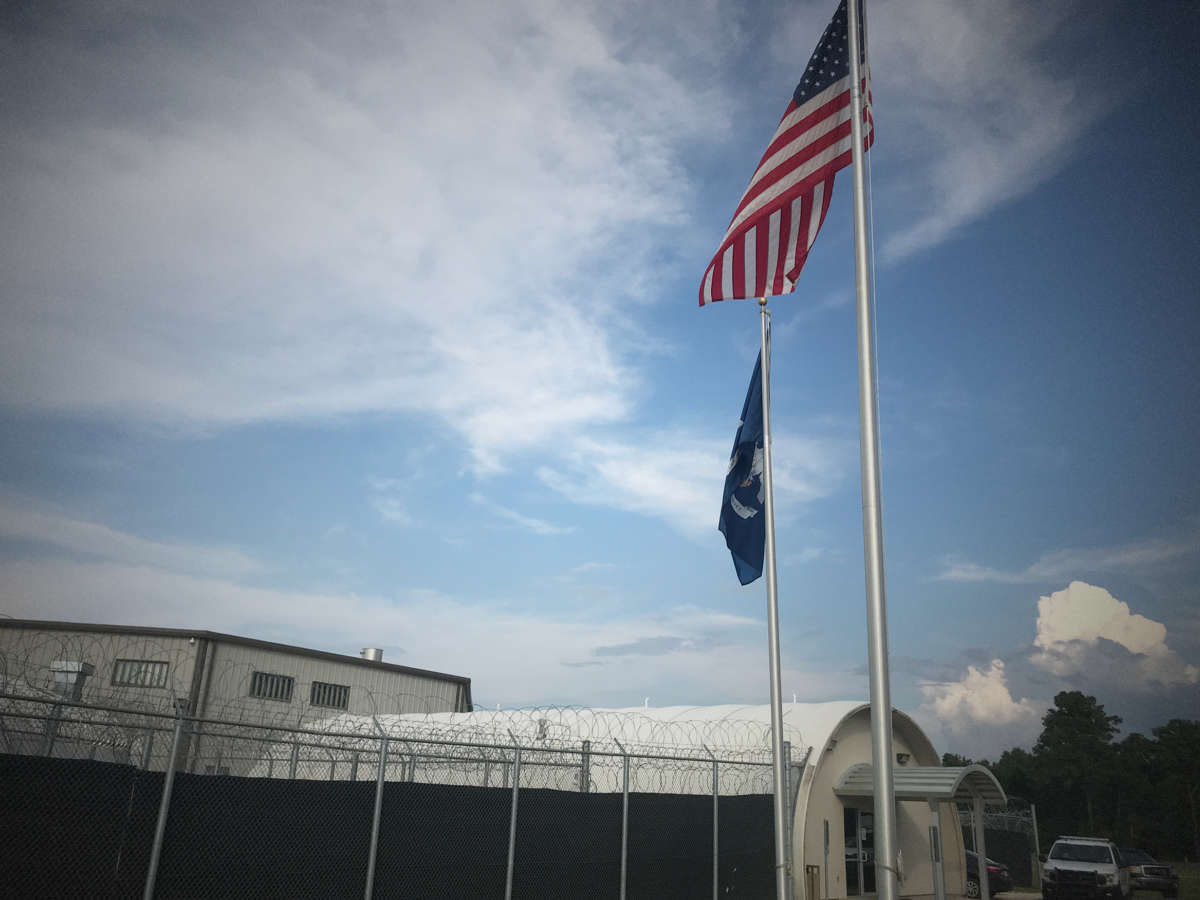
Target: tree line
1141, 792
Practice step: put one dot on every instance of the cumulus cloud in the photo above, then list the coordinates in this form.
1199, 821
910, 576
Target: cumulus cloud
977, 714
1083, 630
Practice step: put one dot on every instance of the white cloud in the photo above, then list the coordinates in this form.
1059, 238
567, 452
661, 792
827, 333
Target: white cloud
319, 213
421, 208
1075, 627
956, 569
591, 566
392, 509
537, 526
44, 526
967, 104
806, 555
515, 658
978, 714
671, 475
1059, 565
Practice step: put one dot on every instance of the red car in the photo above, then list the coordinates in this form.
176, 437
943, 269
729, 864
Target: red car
999, 878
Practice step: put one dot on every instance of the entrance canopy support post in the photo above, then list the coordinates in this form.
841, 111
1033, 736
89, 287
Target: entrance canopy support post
935, 851
981, 850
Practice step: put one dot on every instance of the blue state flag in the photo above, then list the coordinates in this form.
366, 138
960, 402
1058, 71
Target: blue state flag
743, 516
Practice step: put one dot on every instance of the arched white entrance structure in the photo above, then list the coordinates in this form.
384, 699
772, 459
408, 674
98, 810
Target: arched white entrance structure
833, 843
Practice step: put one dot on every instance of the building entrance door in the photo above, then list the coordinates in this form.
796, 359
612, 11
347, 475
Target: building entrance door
859, 832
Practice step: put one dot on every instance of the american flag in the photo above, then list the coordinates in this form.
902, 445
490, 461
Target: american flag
781, 211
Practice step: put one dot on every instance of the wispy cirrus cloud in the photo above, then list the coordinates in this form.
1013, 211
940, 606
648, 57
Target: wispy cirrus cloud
57, 532
974, 113
1076, 562
671, 475
528, 523
287, 216
513, 657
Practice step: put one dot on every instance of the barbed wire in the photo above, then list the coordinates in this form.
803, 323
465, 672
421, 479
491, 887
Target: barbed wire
1016, 818
41, 726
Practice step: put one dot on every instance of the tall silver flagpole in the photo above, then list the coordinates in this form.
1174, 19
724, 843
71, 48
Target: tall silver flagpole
868, 421
781, 874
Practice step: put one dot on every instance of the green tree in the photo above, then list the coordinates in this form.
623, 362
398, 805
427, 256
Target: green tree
1017, 771
953, 760
1135, 795
1075, 752
1179, 764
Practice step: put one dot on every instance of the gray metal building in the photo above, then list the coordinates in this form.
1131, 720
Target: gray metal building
220, 676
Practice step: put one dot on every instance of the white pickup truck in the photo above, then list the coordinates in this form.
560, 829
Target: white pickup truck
1085, 868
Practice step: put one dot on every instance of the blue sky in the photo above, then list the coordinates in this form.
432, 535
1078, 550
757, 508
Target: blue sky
378, 326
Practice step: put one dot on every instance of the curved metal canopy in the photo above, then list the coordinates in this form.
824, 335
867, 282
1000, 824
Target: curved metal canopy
926, 783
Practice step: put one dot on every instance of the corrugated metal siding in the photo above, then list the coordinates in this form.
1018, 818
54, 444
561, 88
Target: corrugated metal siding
924, 782
373, 690
26, 656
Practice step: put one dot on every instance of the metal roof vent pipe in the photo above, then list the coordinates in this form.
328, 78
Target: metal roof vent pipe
374, 654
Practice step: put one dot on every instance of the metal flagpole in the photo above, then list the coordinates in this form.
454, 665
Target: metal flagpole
868, 419
781, 873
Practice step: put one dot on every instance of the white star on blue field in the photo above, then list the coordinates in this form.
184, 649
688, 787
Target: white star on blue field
377, 325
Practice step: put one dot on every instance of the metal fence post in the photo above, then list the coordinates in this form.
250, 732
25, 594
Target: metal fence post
512, 824
165, 803
585, 767
371, 856
147, 749
51, 730
624, 816
1037, 849
716, 876
295, 760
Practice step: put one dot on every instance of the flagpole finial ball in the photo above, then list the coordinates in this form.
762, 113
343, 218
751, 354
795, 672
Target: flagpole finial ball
762, 301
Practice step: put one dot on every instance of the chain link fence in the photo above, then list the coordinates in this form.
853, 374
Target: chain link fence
1010, 835
100, 801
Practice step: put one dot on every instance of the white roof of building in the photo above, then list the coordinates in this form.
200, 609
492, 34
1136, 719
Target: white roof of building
926, 783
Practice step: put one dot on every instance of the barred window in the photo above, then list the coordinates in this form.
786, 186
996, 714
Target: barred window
336, 696
272, 687
139, 673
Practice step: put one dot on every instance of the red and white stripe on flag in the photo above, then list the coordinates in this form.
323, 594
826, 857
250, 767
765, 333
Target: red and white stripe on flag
779, 215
